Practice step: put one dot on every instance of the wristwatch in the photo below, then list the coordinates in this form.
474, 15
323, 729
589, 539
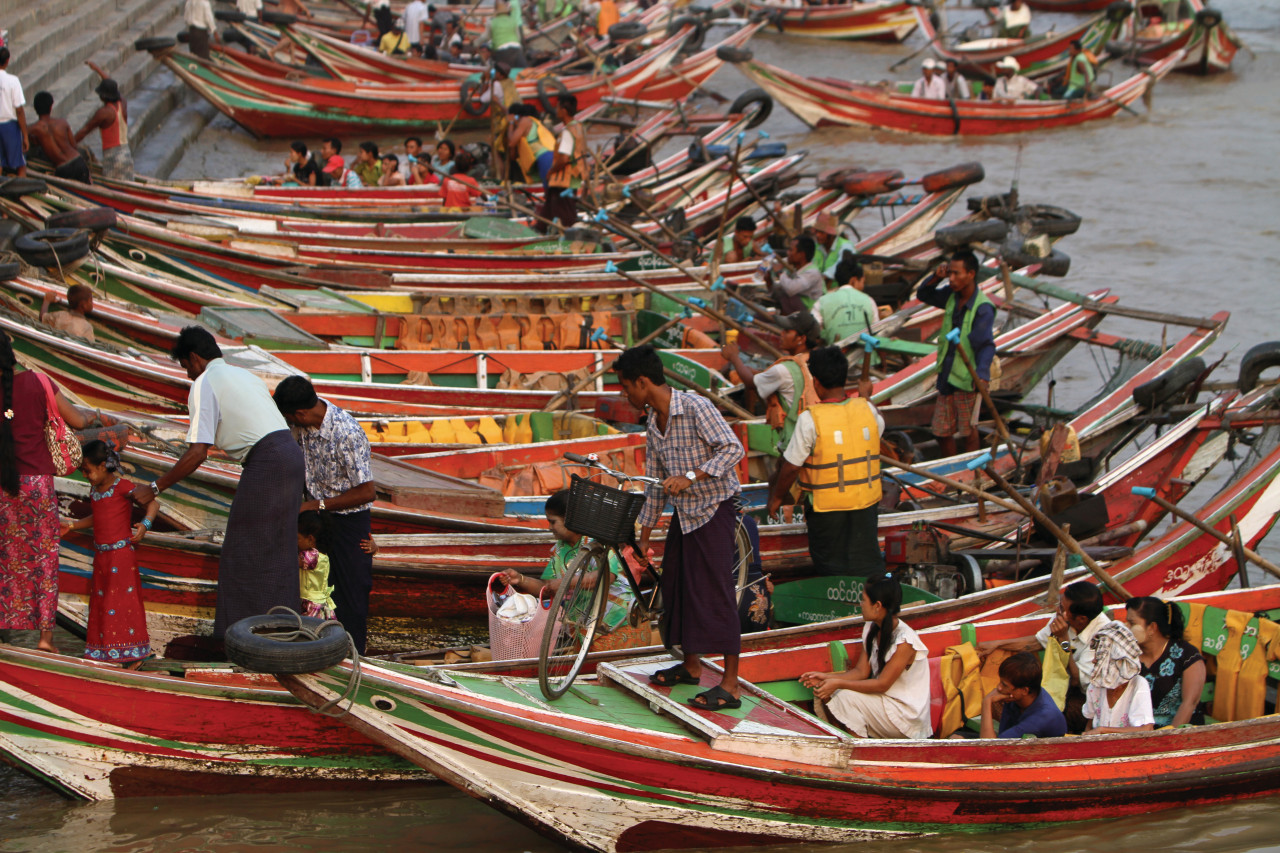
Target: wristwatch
692, 475
1066, 646
322, 505
155, 487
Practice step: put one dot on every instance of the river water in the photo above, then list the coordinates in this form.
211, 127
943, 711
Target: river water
1181, 213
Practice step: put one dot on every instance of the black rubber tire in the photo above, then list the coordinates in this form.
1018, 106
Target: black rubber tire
231, 16
1257, 359
1209, 18
733, 55
9, 231
1118, 11
280, 19
970, 573
1166, 386
155, 43
694, 42
1057, 264
92, 219
248, 647
955, 236
469, 94
550, 89
1050, 221
995, 205
560, 654
15, 188
986, 4
52, 248
753, 96
627, 31
10, 266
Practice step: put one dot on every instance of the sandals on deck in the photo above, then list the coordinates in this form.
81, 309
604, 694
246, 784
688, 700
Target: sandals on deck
715, 699
671, 676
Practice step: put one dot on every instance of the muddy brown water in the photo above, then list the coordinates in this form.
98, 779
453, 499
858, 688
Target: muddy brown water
1181, 213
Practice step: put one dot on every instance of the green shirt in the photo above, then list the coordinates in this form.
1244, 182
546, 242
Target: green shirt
831, 257
1081, 72
370, 173
503, 30
844, 312
620, 596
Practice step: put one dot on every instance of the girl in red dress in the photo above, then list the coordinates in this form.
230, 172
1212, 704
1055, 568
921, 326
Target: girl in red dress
117, 620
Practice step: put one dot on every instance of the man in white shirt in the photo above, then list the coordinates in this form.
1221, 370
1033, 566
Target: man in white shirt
930, 85
13, 120
799, 290
1014, 21
201, 27
250, 8
1010, 85
415, 16
231, 409
1081, 612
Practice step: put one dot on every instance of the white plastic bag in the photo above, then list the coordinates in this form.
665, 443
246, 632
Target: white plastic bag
519, 608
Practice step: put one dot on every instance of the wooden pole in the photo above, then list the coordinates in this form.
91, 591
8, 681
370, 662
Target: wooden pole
1253, 556
1237, 545
1058, 575
1001, 428
564, 395
1065, 538
954, 484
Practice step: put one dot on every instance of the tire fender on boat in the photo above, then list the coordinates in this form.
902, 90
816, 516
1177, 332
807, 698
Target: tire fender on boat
280, 19
249, 644
54, 247
1209, 18
154, 43
694, 42
955, 236
1167, 385
231, 16
1057, 263
10, 266
549, 89
1049, 220
762, 100
1118, 11
92, 219
15, 188
956, 176
9, 231
872, 183
733, 55
1257, 359
627, 31
469, 94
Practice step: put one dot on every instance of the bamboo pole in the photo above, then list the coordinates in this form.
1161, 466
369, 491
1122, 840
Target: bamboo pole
1253, 556
566, 394
955, 484
1001, 428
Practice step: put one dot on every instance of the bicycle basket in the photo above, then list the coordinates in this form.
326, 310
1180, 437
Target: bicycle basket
606, 514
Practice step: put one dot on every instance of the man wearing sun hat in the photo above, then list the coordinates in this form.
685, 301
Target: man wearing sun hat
931, 84
1012, 86
829, 245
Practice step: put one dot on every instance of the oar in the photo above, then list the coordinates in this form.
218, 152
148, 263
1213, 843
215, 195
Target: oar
985, 462
937, 38
1253, 556
1016, 453
944, 480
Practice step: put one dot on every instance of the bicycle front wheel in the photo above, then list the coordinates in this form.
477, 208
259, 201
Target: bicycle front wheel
743, 555
577, 611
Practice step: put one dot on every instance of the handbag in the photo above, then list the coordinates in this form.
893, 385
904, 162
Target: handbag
64, 448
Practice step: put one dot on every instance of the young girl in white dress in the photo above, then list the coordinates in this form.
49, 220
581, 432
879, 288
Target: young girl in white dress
886, 694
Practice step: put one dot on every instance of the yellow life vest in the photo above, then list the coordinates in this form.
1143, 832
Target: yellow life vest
843, 471
536, 142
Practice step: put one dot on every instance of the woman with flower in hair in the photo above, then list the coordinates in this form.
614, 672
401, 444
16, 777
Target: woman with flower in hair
1173, 668
28, 504
117, 620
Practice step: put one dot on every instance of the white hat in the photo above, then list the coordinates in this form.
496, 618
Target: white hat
1008, 62
929, 62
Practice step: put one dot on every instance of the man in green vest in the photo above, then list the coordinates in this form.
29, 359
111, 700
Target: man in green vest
503, 33
740, 245
967, 308
1079, 74
845, 309
829, 247
785, 385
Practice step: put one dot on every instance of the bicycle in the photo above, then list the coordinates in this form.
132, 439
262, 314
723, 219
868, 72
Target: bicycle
607, 516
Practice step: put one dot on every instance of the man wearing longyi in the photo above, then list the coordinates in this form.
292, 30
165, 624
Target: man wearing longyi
231, 409
690, 448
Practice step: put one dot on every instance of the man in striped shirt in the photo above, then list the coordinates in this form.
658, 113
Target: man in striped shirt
691, 449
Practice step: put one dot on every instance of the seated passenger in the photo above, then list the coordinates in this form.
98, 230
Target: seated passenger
740, 245
1174, 670
886, 694
1080, 615
1010, 85
1118, 698
931, 84
1024, 708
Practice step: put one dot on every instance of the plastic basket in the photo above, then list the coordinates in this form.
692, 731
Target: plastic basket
513, 642
606, 514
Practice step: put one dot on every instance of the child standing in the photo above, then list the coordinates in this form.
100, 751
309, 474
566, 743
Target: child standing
117, 619
313, 566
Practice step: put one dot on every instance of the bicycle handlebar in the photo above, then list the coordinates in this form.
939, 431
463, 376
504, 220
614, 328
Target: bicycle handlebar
617, 475
579, 458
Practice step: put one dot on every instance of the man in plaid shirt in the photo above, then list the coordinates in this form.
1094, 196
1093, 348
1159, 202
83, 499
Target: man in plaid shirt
691, 449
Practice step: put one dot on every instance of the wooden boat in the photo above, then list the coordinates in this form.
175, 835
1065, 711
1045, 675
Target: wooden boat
1207, 44
95, 731
621, 765
273, 108
1038, 56
878, 20
823, 101
1069, 6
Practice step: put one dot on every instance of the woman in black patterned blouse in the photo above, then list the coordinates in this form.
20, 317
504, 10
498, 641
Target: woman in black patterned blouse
1173, 667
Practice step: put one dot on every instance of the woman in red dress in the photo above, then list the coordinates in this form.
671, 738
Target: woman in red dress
117, 621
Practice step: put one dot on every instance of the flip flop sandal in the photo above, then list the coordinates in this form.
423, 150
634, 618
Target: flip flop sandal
672, 676
715, 699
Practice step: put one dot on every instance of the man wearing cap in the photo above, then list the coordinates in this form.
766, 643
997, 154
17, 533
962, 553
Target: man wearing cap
836, 444
957, 86
930, 85
198, 16
845, 309
780, 382
828, 246
111, 120
964, 307
13, 120
796, 291
1010, 85
395, 43
1013, 21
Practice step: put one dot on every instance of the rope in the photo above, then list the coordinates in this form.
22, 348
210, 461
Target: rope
304, 633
